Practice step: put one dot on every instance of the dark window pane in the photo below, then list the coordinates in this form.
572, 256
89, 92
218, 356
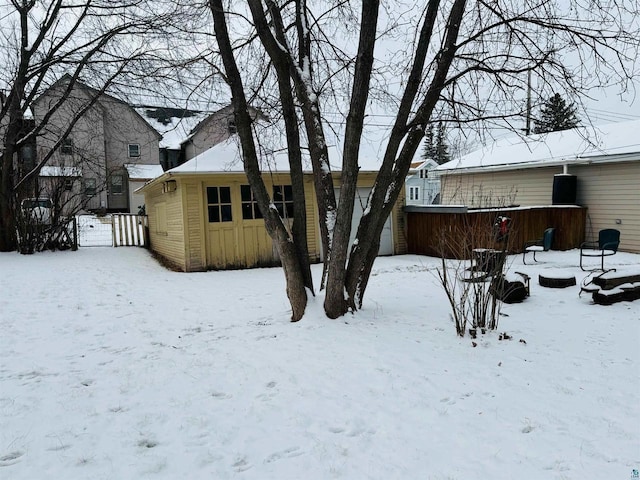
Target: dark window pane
245, 193
134, 150
214, 214
277, 193
247, 211
67, 146
225, 194
280, 208
116, 184
289, 210
212, 194
257, 213
288, 193
226, 213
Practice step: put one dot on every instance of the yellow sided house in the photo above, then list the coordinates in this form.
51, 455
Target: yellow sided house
594, 167
202, 214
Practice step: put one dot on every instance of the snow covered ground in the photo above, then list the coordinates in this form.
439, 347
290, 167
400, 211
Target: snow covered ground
112, 367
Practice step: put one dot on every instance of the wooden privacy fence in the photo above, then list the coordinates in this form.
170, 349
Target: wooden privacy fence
437, 230
129, 230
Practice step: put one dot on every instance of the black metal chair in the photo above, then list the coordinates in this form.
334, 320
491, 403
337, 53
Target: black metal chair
607, 245
540, 245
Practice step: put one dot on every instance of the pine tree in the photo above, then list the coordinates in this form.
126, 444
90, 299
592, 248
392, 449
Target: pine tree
442, 149
435, 148
429, 150
556, 115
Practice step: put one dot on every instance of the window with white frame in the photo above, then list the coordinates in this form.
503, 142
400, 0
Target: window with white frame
414, 193
134, 150
117, 183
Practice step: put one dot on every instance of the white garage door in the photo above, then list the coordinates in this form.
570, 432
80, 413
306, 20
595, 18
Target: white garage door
386, 238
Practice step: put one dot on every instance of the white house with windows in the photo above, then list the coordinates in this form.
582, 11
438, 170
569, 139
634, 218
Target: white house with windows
422, 185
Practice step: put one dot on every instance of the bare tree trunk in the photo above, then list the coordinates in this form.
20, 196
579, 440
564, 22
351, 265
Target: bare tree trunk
397, 160
7, 217
293, 270
281, 65
335, 304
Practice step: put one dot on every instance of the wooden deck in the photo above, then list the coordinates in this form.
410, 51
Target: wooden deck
442, 230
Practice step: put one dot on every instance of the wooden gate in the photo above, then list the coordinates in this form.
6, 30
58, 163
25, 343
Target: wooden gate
129, 230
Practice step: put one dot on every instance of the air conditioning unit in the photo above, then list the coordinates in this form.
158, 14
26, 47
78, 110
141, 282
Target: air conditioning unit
169, 186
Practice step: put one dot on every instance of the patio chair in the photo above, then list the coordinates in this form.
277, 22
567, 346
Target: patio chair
607, 245
540, 245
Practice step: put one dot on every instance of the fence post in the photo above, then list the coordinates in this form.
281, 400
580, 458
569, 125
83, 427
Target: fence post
74, 245
113, 229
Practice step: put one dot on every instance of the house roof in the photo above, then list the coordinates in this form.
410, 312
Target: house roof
175, 125
611, 142
225, 157
66, 78
142, 171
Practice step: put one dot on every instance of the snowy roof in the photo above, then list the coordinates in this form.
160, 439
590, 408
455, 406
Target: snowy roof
225, 157
143, 172
175, 128
50, 171
617, 141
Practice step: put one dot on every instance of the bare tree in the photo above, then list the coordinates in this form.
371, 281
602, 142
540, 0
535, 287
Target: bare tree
103, 42
464, 63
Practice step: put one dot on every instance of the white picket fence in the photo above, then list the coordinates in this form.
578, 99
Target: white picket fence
113, 230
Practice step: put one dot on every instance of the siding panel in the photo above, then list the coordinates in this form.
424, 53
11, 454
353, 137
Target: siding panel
169, 245
609, 190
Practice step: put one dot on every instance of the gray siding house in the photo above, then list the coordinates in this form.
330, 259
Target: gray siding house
108, 136
422, 186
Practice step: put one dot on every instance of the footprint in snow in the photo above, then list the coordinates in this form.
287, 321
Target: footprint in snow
220, 395
10, 458
241, 465
286, 453
147, 443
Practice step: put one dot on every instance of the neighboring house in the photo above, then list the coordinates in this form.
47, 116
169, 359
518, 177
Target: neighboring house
598, 168
175, 125
422, 185
188, 133
110, 135
138, 176
202, 214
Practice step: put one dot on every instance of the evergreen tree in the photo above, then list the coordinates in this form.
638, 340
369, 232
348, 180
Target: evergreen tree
429, 150
442, 149
556, 115
435, 147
